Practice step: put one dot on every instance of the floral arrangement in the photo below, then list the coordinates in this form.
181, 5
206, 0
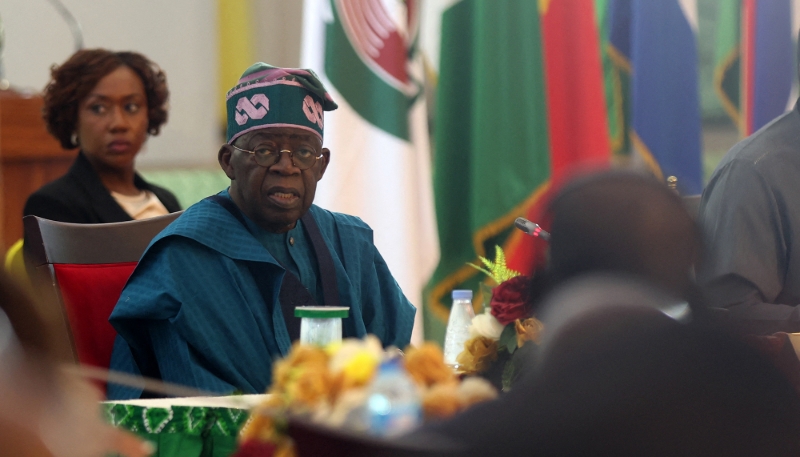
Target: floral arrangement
502, 337
331, 386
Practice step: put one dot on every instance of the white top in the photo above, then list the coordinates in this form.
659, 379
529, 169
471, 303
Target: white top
142, 206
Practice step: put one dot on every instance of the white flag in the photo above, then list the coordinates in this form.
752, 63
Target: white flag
380, 170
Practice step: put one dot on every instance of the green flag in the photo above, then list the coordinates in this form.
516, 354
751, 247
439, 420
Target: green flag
615, 81
726, 58
491, 157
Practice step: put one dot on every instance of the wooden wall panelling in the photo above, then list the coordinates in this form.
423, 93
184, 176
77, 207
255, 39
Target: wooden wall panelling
29, 158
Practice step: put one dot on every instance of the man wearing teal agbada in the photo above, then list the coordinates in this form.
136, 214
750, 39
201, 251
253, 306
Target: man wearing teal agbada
208, 304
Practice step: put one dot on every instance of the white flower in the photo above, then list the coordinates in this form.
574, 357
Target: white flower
486, 325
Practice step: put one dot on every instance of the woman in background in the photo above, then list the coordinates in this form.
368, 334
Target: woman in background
106, 103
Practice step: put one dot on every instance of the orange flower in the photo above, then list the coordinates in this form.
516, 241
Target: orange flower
261, 424
478, 354
425, 364
286, 371
440, 401
528, 330
311, 384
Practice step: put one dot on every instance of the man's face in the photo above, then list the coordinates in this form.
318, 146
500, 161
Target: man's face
274, 197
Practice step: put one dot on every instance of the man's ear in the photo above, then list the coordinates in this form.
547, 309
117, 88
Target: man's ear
224, 157
326, 159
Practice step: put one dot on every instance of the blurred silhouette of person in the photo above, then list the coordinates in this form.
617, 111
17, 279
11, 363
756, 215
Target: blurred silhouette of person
618, 377
623, 222
616, 373
47, 413
751, 223
627, 223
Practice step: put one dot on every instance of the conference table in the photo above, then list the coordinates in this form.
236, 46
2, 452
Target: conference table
208, 426
185, 427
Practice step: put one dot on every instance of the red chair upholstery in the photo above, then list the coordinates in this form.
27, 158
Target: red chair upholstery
89, 293
82, 269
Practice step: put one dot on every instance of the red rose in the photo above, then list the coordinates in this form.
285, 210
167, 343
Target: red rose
511, 300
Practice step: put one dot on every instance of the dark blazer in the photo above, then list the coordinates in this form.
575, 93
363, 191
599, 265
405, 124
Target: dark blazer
79, 196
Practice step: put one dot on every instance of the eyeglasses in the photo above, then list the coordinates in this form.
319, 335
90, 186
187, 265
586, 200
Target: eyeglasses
302, 158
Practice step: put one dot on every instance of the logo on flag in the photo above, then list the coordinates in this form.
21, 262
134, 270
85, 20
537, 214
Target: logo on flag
380, 32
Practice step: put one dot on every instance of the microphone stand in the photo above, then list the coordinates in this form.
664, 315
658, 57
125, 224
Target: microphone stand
74, 27
4, 84
72, 23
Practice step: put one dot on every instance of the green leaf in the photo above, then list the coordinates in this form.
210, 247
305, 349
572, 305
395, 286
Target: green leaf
499, 256
509, 375
482, 270
508, 339
497, 269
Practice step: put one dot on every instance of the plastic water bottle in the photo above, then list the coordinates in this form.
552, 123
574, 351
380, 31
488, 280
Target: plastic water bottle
393, 405
461, 314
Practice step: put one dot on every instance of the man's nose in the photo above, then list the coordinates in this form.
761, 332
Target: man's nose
285, 164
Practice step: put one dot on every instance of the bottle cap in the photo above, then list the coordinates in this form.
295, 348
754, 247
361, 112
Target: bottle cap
462, 294
321, 312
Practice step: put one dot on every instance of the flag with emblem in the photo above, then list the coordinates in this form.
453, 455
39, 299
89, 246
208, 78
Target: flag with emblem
491, 158
380, 170
727, 58
754, 60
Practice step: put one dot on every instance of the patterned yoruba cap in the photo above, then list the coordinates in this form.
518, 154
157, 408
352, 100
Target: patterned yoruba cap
268, 96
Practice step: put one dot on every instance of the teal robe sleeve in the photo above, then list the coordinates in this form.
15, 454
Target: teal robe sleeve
391, 317
194, 317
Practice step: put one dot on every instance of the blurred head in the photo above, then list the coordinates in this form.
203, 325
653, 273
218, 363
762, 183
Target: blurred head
274, 155
615, 376
623, 222
618, 378
107, 103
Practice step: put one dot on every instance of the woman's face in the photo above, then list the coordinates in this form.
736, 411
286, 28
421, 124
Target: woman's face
112, 121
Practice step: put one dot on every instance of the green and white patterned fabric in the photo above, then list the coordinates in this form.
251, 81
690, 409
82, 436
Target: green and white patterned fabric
180, 431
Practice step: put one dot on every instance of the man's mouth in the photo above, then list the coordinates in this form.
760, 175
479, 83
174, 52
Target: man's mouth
284, 197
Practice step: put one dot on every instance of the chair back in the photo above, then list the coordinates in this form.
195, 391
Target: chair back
83, 268
692, 204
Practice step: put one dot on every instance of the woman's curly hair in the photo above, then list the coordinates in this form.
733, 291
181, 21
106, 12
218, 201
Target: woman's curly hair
72, 82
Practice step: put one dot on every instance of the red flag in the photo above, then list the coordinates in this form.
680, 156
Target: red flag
578, 127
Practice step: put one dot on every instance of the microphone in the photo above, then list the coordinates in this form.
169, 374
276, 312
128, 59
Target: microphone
531, 228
